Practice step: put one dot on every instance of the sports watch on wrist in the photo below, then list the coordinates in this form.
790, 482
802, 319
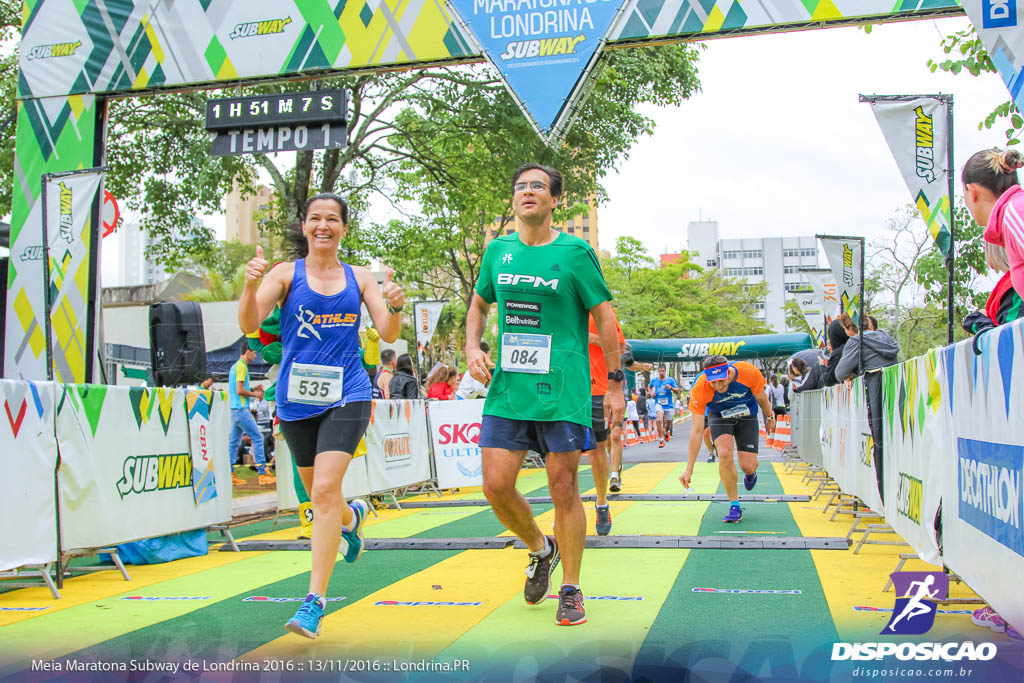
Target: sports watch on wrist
617, 376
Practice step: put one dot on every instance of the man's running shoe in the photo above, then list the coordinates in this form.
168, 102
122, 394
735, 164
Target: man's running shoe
306, 621
713, 454
735, 514
538, 574
604, 520
662, 444
988, 618
354, 538
615, 482
570, 607
749, 480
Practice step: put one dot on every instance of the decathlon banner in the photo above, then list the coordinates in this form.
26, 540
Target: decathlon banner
28, 458
917, 131
396, 445
845, 255
199, 406
998, 24
543, 50
454, 433
917, 442
812, 307
846, 443
126, 471
983, 505
69, 235
426, 315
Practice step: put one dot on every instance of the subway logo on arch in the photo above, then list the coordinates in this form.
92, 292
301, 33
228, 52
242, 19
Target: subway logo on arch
148, 473
259, 28
54, 50
989, 478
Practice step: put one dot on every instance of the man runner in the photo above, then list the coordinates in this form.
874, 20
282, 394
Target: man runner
730, 394
544, 283
663, 387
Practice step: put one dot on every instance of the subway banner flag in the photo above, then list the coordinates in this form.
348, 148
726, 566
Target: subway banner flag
543, 49
916, 131
998, 23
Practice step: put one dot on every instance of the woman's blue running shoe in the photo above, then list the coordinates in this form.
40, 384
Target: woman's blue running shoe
306, 621
354, 538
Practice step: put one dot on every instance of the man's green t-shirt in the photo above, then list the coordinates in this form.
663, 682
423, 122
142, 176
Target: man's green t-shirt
541, 292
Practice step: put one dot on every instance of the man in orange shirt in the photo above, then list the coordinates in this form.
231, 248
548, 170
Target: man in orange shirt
599, 455
730, 393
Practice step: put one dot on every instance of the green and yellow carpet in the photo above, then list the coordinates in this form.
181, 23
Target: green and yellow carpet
653, 614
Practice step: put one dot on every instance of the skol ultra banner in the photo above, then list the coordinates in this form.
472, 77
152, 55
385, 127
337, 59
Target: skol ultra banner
917, 132
812, 308
454, 434
425, 316
844, 258
823, 282
71, 236
998, 23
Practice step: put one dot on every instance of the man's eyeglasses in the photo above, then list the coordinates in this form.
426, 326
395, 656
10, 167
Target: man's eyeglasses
535, 185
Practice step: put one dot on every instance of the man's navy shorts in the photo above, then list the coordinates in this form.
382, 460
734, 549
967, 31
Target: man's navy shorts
543, 437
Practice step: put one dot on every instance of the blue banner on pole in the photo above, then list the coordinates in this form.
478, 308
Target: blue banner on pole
543, 49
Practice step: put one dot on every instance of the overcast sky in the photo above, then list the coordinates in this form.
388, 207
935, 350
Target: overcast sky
777, 144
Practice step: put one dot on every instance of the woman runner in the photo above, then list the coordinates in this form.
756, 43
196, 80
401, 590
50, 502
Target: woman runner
323, 400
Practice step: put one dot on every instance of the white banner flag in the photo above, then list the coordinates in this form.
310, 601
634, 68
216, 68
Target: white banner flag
998, 24
823, 282
844, 258
425, 317
69, 234
918, 134
812, 308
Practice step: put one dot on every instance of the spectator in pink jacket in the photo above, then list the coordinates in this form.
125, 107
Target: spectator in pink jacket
996, 200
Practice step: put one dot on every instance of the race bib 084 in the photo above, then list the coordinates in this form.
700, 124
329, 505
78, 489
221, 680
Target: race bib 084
526, 352
318, 385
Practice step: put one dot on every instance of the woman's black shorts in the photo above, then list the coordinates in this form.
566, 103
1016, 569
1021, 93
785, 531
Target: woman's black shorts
338, 429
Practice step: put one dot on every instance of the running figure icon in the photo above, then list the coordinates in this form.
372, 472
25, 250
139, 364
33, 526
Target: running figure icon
915, 606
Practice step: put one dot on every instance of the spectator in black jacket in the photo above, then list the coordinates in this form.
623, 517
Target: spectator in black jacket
837, 339
404, 384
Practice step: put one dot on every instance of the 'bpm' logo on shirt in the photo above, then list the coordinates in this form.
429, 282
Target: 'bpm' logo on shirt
914, 613
998, 13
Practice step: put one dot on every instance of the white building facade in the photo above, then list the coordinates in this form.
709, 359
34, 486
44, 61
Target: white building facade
775, 260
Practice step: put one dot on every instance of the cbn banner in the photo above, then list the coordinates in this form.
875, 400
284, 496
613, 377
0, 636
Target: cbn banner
983, 505
126, 471
846, 443
396, 444
917, 444
425, 315
198, 403
28, 456
918, 134
454, 433
844, 258
69, 230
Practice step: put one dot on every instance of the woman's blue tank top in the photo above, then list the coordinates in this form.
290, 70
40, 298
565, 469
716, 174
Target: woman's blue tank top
321, 330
